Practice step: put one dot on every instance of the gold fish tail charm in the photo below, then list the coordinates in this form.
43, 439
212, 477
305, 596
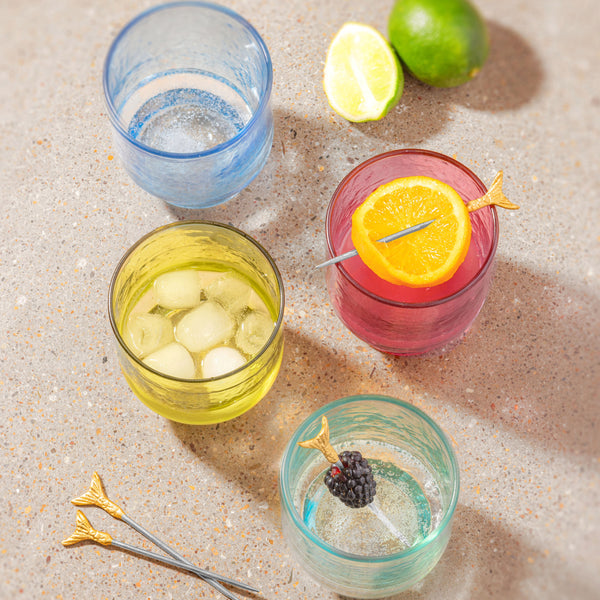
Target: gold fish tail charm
84, 531
96, 496
493, 196
321, 442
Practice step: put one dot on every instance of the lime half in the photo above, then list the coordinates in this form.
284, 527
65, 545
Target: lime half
363, 78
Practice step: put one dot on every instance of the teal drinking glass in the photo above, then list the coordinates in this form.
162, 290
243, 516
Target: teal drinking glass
353, 551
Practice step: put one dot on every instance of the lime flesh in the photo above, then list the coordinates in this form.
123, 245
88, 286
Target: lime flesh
363, 78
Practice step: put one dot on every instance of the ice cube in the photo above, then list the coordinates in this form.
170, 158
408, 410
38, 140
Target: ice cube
204, 327
254, 331
255, 302
221, 360
207, 277
230, 291
178, 289
146, 303
144, 333
174, 360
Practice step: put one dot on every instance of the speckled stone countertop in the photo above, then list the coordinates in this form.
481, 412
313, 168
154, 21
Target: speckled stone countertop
518, 397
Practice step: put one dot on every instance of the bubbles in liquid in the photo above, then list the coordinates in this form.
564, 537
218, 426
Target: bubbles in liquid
404, 502
185, 121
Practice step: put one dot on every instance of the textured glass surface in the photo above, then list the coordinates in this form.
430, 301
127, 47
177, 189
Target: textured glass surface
212, 245
397, 319
406, 430
188, 86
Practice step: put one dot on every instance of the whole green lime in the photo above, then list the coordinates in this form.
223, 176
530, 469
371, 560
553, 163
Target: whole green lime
443, 43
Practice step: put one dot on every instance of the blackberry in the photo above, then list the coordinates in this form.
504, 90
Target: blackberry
354, 484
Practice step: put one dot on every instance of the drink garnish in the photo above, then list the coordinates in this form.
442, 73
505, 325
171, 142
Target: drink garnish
348, 472
428, 257
387, 238
362, 79
350, 477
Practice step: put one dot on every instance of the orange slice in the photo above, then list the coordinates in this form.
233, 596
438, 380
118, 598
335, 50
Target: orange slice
421, 259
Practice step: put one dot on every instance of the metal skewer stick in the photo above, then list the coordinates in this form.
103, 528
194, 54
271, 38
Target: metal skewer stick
85, 531
383, 240
310, 515
179, 560
376, 510
321, 442
96, 496
494, 196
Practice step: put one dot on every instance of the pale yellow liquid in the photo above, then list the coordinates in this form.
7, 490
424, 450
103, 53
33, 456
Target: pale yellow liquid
233, 322
204, 247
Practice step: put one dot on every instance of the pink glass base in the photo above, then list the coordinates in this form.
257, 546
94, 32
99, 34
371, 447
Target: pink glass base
393, 318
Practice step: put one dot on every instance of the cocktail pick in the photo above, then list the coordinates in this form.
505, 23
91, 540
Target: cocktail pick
96, 496
494, 196
336, 475
84, 531
386, 239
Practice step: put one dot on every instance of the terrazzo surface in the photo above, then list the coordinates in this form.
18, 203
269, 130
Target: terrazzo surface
518, 397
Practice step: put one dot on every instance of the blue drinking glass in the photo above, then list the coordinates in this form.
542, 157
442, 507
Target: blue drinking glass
188, 87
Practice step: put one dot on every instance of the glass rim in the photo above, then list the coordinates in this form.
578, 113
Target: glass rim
261, 108
397, 303
290, 507
216, 225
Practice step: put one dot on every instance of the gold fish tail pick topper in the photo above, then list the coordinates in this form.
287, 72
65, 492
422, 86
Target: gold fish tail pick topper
321, 442
494, 195
96, 496
84, 531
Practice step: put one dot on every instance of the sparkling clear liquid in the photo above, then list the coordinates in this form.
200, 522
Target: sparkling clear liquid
413, 509
185, 113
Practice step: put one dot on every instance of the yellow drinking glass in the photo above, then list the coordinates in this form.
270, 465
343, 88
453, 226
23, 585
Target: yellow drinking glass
212, 247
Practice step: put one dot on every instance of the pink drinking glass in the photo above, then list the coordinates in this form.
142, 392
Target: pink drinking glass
397, 319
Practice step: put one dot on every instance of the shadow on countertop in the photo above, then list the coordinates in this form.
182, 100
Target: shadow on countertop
527, 364
523, 366
484, 559
511, 77
248, 449
530, 347
310, 157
